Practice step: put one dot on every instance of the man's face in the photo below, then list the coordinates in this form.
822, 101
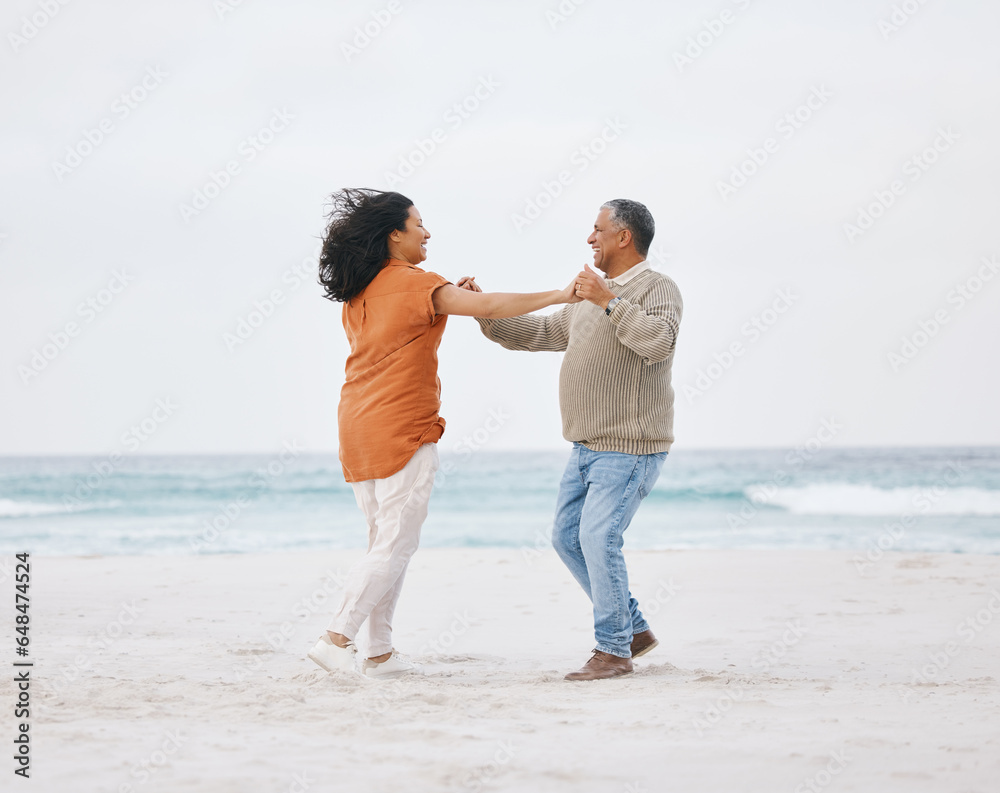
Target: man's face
604, 241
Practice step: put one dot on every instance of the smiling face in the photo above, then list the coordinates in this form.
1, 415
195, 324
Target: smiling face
605, 241
410, 245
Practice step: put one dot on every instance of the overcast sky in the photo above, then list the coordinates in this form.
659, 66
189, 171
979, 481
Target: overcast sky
867, 205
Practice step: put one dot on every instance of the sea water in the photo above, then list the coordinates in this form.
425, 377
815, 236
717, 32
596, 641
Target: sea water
869, 500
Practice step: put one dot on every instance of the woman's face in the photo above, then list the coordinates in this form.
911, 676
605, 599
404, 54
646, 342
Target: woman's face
410, 245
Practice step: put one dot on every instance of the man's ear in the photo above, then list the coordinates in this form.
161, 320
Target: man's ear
624, 238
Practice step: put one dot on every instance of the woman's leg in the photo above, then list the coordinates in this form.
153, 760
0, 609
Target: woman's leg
399, 506
379, 624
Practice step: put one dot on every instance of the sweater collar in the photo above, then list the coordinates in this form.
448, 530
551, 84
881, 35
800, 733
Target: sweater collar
630, 273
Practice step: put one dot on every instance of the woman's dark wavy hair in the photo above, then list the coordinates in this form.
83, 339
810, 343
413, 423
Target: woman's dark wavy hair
356, 245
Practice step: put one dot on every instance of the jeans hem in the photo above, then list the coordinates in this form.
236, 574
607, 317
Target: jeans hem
618, 653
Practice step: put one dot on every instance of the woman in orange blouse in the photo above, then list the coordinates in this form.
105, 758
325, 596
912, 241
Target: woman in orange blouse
394, 315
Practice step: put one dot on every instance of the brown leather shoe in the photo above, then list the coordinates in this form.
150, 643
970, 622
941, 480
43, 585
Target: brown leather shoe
642, 643
601, 666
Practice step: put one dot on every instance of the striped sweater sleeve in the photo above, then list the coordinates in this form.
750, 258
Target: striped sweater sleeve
548, 333
650, 328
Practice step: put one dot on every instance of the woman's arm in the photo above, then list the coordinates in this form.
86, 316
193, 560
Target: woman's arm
449, 299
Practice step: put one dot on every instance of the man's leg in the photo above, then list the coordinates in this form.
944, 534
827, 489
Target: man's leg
401, 509
616, 484
566, 529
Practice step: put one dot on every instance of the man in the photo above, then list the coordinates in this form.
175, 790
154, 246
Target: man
617, 409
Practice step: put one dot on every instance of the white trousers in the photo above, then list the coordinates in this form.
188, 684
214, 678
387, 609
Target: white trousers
395, 508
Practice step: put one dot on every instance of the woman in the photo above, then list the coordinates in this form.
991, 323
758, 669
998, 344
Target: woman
394, 315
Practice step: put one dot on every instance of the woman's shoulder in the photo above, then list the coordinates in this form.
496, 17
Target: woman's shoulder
404, 277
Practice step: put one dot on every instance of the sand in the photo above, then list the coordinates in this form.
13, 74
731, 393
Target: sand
777, 671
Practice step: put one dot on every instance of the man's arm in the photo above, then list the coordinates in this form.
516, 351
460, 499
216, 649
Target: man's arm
649, 330
534, 334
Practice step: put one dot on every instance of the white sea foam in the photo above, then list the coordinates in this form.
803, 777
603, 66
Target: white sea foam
25, 509
838, 498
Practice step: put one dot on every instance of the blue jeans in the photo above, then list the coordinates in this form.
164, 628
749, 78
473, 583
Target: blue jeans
598, 497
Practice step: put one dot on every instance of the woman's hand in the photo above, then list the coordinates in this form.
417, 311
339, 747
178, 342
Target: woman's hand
468, 282
569, 294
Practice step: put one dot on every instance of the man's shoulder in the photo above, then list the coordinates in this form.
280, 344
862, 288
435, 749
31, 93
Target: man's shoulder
653, 280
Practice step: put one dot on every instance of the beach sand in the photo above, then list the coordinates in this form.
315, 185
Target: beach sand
776, 671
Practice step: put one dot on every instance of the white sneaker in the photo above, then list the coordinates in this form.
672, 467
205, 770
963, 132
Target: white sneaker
394, 667
333, 658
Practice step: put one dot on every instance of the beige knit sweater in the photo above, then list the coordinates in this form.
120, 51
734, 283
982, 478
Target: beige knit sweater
614, 385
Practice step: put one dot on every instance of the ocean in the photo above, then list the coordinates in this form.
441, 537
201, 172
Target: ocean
869, 500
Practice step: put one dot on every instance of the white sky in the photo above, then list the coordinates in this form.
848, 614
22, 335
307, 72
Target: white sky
885, 98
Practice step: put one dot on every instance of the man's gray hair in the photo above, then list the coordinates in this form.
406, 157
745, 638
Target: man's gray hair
632, 215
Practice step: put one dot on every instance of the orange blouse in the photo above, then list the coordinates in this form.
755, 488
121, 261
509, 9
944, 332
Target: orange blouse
391, 396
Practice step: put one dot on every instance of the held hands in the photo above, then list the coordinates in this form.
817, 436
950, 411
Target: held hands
590, 286
587, 285
569, 295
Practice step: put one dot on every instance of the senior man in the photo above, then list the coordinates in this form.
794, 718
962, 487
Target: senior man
617, 408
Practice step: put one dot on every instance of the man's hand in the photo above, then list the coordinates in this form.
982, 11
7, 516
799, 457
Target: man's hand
590, 286
468, 282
